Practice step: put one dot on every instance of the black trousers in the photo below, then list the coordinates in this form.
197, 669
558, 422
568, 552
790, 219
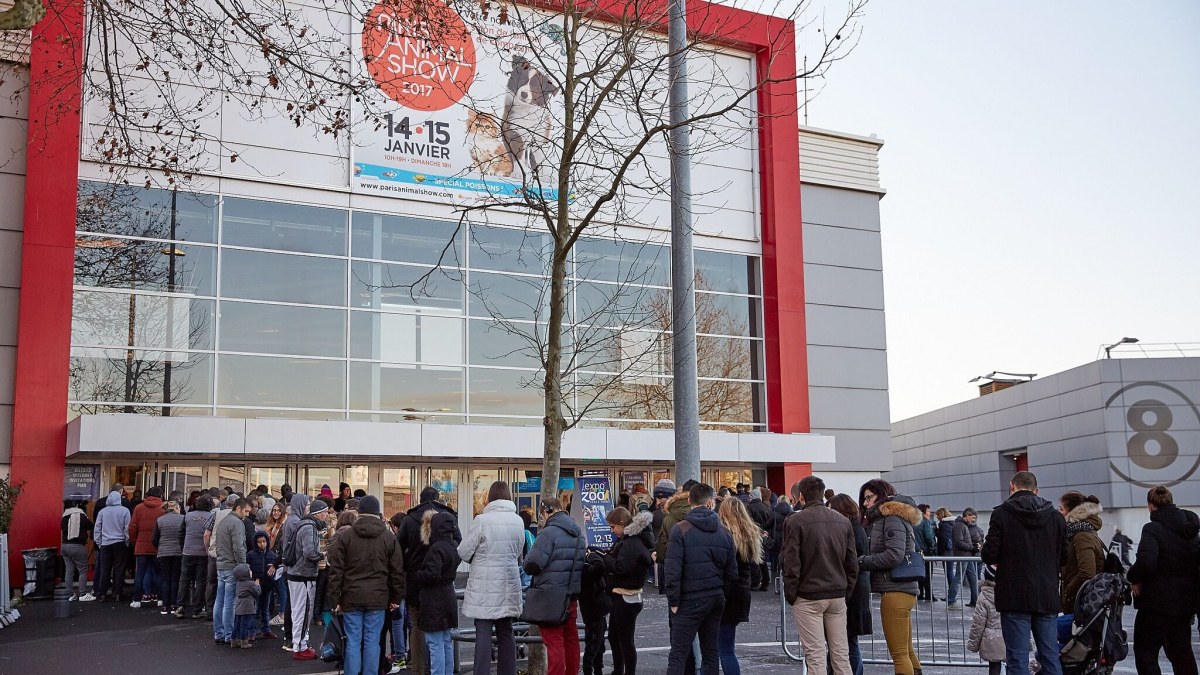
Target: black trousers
924, 590
593, 646
170, 568
210, 596
620, 635
1154, 632
696, 617
193, 582
110, 570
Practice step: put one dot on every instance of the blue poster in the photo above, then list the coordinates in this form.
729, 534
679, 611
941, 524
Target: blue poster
81, 481
595, 498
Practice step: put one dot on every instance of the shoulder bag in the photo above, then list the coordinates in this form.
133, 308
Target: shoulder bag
547, 606
912, 567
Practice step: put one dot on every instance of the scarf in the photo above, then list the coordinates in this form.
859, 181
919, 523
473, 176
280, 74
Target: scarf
1077, 527
76, 516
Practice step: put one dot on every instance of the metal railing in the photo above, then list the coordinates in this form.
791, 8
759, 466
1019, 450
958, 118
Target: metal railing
939, 634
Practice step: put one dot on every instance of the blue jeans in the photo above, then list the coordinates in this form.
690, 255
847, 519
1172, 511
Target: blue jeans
952, 582
441, 652
1064, 630
223, 605
243, 626
145, 578
362, 639
1017, 627
726, 651
856, 664
399, 641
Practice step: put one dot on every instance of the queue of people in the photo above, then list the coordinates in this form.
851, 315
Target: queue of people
257, 564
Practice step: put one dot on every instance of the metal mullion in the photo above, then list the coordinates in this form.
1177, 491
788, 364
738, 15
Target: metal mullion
284, 356
137, 291
330, 256
133, 237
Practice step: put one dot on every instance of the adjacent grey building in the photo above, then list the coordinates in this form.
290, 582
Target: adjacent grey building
843, 287
1112, 428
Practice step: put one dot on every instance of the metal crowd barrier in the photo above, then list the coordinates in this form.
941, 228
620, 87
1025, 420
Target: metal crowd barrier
939, 634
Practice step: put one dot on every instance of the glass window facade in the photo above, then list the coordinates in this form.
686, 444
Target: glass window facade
188, 304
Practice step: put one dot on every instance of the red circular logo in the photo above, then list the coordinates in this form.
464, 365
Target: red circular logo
420, 54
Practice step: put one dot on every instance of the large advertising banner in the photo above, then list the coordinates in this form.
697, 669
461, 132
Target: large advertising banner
463, 108
595, 498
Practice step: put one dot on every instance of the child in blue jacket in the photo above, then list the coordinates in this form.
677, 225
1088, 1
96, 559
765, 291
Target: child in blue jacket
262, 561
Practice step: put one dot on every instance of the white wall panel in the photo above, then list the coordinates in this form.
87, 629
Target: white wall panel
846, 367
844, 247
843, 286
845, 327
831, 408
841, 208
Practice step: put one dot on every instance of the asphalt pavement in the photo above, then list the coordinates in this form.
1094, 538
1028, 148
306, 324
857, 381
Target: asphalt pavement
110, 638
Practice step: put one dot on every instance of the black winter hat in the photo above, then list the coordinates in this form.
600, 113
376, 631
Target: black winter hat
370, 505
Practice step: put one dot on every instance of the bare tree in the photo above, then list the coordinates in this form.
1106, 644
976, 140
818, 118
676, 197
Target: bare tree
599, 163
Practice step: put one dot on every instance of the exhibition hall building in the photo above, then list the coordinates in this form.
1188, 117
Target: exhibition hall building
285, 320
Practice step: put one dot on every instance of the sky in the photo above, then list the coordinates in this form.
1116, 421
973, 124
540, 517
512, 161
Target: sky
1043, 189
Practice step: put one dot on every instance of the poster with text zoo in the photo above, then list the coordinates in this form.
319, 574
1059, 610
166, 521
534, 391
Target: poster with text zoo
463, 107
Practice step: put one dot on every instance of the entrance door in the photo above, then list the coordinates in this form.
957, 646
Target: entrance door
398, 495
274, 477
185, 479
317, 476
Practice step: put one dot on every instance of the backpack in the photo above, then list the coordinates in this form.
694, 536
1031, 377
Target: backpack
291, 552
333, 643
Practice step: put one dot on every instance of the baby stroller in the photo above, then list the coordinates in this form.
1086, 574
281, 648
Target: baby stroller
1099, 641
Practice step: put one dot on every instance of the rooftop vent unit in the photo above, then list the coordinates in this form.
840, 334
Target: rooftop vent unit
997, 381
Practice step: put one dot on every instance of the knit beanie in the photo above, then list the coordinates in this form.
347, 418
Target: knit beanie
664, 488
369, 505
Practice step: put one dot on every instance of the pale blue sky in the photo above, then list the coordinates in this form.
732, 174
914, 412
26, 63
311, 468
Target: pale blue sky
1043, 189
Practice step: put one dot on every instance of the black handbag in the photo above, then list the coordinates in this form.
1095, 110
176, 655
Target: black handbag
912, 567
547, 606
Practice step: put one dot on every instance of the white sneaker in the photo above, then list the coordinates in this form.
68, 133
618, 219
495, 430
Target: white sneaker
136, 604
160, 603
277, 620
87, 597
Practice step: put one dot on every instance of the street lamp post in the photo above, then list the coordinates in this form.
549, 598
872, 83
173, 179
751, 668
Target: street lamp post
683, 278
1123, 341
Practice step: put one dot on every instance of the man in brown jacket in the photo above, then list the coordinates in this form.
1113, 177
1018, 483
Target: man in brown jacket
366, 579
820, 568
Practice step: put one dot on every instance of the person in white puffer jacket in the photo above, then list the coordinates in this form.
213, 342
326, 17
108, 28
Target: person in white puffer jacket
494, 547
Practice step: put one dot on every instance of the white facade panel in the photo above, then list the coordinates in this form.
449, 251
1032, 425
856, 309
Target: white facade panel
845, 327
843, 286
844, 247
847, 367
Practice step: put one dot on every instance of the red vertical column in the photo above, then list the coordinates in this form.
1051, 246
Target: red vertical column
47, 254
783, 250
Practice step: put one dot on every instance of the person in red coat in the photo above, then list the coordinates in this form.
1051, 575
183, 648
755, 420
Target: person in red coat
141, 534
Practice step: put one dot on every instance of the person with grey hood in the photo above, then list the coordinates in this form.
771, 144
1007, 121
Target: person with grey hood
245, 607
229, 541
112, 537
301, 554
297, 507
